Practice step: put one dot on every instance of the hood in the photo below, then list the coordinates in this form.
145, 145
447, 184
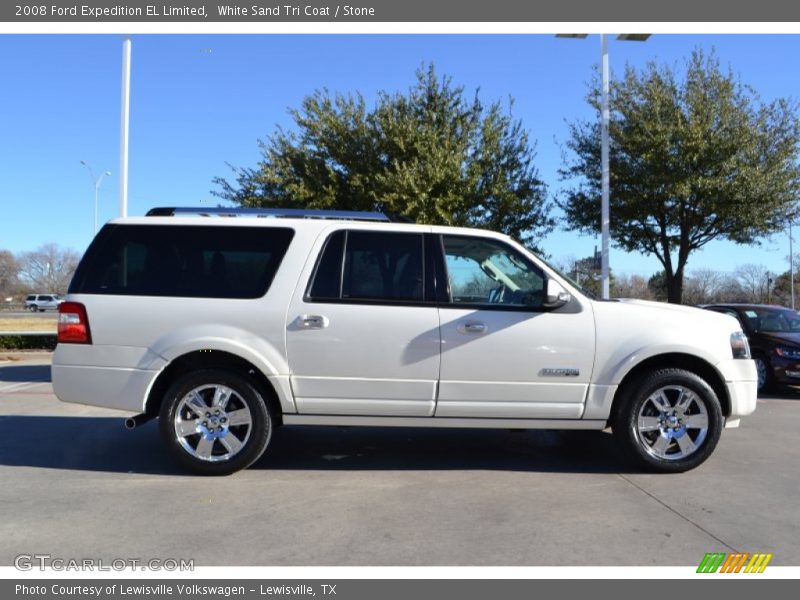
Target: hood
666, 306
700, 315
781, 337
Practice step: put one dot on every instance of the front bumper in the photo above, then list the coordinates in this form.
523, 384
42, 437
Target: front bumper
741, 382
785, 370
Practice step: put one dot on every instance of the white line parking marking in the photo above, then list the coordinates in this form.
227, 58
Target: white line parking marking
15, 387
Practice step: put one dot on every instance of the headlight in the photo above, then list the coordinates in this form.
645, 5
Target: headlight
786, 352
740, 347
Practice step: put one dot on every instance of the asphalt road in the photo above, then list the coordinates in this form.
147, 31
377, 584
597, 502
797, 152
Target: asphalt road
75, 484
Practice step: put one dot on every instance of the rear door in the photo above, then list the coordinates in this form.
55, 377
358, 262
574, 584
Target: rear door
363, 329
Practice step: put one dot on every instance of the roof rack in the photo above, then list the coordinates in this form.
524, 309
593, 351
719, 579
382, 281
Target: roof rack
273, 213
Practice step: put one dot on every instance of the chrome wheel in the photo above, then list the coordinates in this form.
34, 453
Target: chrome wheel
672, 423
212, 422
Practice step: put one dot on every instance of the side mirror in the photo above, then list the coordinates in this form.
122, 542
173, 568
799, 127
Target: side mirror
556, 295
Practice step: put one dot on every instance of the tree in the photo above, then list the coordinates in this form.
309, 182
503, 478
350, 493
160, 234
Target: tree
9, 269
633, 286
754, 283
431, 155
586, 272
49, 268
693, 159
703, 286
657, 284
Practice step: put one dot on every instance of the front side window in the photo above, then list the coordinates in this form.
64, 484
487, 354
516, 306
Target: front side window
370, 266
488, 273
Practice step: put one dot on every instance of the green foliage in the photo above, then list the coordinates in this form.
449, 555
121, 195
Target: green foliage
657, 284
692, 159
431, 155
45, 341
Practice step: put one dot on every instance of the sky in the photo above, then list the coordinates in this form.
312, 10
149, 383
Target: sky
201, 101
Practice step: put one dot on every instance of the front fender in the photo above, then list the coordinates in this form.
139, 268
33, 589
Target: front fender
616, 367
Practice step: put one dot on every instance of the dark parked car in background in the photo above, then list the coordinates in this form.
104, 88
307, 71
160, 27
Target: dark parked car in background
774, 336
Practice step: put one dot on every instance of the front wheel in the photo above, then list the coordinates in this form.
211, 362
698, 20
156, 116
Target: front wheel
215, 422
670, 420
764, 372
33, 308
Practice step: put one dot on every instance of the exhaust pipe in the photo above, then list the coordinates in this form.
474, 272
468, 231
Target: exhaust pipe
136, 421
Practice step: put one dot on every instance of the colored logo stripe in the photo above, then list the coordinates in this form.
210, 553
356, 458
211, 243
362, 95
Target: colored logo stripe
733, 563
758, 563
711, 562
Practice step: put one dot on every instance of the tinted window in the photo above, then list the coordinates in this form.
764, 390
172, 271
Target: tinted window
188, 261
327, 283
772, 320
379, 266
485, 272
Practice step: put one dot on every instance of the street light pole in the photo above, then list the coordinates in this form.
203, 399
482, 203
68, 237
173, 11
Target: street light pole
96, 181
604, 206
791, 262
605, 118
125, 105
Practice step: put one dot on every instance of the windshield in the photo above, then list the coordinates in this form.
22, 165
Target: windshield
772, 320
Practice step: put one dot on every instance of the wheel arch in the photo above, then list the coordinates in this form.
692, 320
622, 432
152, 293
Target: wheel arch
675, 360
212, 359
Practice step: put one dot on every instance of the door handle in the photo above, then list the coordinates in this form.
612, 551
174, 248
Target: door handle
313, 321
473, 327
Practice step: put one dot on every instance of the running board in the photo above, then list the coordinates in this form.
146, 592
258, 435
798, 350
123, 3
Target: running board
356, 421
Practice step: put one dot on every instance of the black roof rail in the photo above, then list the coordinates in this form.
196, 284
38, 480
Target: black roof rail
274, 213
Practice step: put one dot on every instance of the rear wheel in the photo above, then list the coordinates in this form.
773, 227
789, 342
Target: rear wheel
215, 422
669, 420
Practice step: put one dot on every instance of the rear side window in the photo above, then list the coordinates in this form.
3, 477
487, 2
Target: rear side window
186, 261
370, 266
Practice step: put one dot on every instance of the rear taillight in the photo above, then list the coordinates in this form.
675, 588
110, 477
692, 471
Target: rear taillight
73, 324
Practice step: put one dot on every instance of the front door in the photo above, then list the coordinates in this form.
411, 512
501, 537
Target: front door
503, 354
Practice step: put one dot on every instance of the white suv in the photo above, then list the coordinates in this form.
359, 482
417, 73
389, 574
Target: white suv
42, 302
225, 328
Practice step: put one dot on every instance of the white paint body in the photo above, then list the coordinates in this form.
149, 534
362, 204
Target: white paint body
395, 365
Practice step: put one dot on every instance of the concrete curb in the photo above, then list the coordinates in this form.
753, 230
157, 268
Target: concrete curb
12, 356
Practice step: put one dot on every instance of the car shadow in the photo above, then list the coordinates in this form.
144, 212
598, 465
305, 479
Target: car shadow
101, 444
25, 373
780, 392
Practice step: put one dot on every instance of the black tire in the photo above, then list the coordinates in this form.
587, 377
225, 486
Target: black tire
646, 433
768, 381
33, 308
229, 447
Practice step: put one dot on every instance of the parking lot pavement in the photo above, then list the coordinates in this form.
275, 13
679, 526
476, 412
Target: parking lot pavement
75, 484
